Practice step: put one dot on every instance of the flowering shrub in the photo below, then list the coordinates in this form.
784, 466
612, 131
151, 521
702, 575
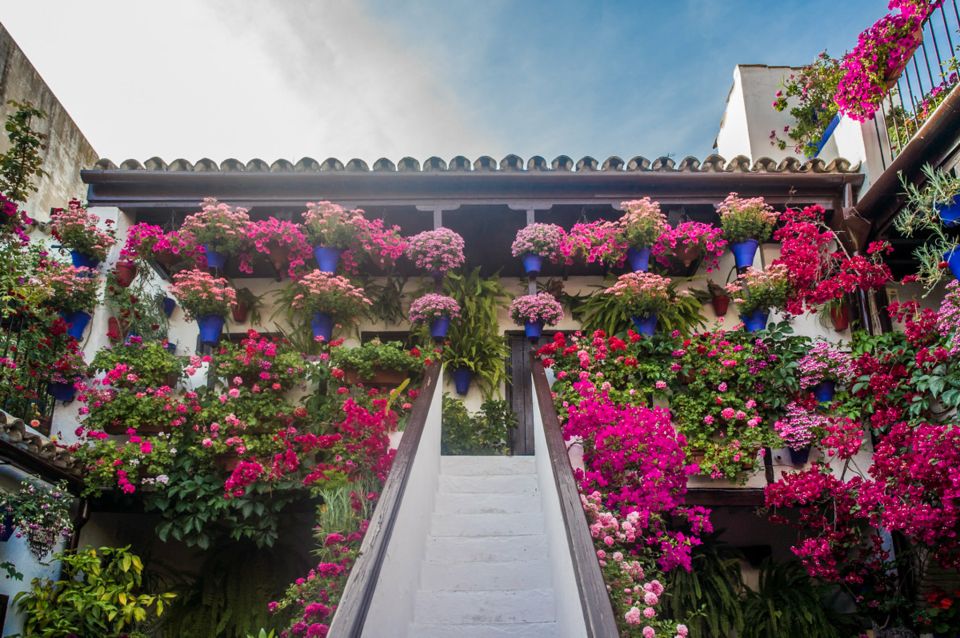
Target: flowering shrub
39, 513
71, 288
68, 366
800, 426
79, 230
746, 218
137, 363
761, 289
331, 225
201, 294
219, 226
323, 292
948, 318
436, 251
541, 307
178, 247
544, 240
595, 242
13, 220
824, 362
282, 241
642, 223
376, 244
140, 242
433, 306
643, 293
811, 92
690, 240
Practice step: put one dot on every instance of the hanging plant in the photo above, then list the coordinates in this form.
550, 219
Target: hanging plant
436, 251
80, 231
222, 230
38, 513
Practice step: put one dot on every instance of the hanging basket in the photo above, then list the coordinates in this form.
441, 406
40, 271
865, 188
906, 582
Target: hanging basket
126, 272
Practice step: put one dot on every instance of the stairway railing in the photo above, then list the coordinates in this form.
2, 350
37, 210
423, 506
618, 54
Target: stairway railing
594, 600
351, 614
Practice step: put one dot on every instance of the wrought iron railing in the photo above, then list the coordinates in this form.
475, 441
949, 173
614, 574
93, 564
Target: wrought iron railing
23, 379
926, 80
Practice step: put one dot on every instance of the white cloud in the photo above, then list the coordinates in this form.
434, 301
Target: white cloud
236, 79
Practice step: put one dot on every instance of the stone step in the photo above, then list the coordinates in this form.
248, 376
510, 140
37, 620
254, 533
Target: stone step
483, 607
520, 484
478, 503
448, 550
509, 630
487, 465
486, 576
521, 524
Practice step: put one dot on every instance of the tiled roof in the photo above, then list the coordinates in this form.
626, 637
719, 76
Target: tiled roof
15, 436
483, 164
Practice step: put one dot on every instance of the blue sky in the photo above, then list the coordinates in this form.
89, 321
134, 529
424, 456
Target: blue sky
221, 78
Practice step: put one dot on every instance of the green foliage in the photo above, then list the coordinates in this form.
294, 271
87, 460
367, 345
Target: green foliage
374, 355
474, 340
387, 299
139, 308
99, 595
809, 95
710, 596
153, 364
21, 165
920, 218
487, 432
789, 605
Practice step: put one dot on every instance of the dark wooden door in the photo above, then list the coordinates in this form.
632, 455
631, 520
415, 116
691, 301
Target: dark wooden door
519, 392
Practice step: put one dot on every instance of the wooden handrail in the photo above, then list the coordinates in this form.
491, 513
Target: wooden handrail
362, 583
597, 610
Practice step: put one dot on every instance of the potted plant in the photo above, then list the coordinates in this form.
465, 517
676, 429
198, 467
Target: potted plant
282, 242
838, 310
822, 368
330, 229
220, 229
932, 210
798, 428
248, 305
328, 297
79, 231
643, 295
808, 94
64, 372
205, 299
719, 298
74, 294
178, 249
641, 225
746, 223
599, 242
533, 312
687, 243
137, 364
536, 242
436, 251
759, 291
39, 513
377, 363
437, 310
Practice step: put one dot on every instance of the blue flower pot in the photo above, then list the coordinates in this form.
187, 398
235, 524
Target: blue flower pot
645, 325
824, 391
799, 457
171, 348
211, 327
950, 212
533, 330
76, 323
639, 258
756, 320
461, 380
532, 264
6, 532
62, 391
439, 327
81, 260
744, 252
952, 257
215, 259
327, 258
169, 305
322, 325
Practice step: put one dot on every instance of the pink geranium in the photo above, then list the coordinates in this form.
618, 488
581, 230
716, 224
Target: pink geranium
201, 294
433, 306
543, 240
319, 291
541, 307
80, 230
436, 251
282, 241
688, 241
595, 242
219, 226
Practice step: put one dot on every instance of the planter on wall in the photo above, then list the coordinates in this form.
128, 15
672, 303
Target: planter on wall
322, 325
639, 258
645, 325
327, 258
211, 328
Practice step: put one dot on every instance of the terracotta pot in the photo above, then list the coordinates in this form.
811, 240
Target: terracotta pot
114, 332
380, 377
279, 259
840, 316
125, 272
240, 312
720, 304
689, 255
167, 260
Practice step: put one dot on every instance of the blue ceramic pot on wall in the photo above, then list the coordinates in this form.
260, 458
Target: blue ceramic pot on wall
744, 252
756, 320
950, 212
211, 327
80, 260
327, 258
62, 391
645, 325
461, 380
825, 391
952, 257
533, 330
439, 327
639, 258
532, 264
77, 322
322, 325
215, 259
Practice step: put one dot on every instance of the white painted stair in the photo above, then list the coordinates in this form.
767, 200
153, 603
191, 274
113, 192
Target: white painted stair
486, 571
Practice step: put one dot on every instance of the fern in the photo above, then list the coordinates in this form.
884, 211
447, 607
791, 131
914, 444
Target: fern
709, 596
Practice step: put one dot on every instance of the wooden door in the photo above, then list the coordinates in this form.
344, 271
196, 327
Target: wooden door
520, 392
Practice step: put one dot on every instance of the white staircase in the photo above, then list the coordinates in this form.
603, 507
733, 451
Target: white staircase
486, 571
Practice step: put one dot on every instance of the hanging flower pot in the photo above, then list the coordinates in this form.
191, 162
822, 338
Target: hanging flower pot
645, 325
824, 391
215, 259
82, 260
171, 347
639, 258
169, 305
327, 258
125, 272
439, 327
952, 257
322, 325
690, 254
114, 332
279, 259
62, 391
76, 323
840, 316
532, 264
950, 212
744, 252
720, 304
799, 457
240, 311
211, 327
6, 532
533, 330
461, 380
756, 320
